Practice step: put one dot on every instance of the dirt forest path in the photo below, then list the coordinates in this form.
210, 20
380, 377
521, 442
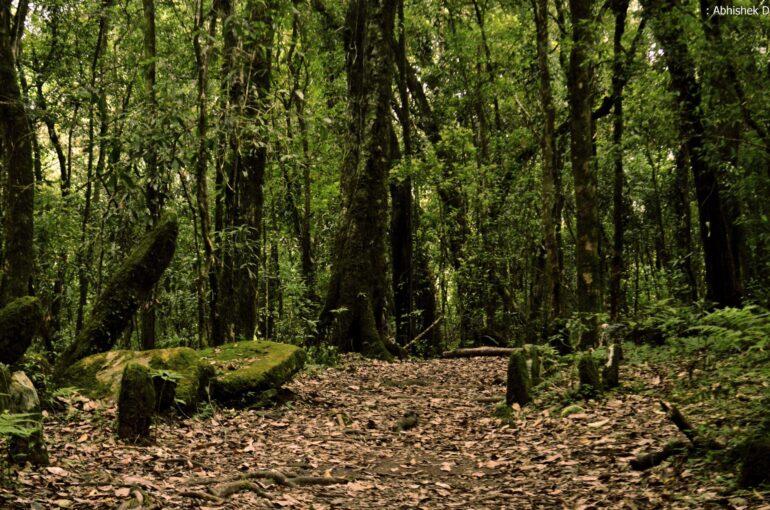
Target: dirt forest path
344, 423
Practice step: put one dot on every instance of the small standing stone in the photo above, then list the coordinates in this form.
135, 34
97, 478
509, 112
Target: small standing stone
611, 371
518, 379
533, 353
589, 374
136, 403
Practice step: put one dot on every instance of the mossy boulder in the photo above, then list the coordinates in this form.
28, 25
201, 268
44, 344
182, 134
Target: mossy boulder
19, 322
129, 286
25, 401
136, 403
98, 376
244, 370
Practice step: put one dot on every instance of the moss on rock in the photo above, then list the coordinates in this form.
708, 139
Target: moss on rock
128, 287
588, 373
246, 369
238, 373
136, 403
519, 378
19, 322
98, 376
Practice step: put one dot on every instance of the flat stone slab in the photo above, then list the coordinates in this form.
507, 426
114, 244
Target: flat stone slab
237, 373
244, 370
98, 376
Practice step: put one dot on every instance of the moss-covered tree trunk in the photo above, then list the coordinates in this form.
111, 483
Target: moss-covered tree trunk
244, 175
153, 187
18, 259
130, 286
580, 85
354, 315
552, 275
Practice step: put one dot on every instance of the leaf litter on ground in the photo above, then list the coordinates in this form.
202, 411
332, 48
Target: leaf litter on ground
338, 439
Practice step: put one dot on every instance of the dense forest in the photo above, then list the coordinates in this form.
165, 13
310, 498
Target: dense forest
555, 183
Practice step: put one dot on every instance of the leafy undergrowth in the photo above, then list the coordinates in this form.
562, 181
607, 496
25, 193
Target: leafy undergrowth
345, 434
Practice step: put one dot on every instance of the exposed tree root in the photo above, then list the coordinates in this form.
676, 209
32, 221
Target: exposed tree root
651, 459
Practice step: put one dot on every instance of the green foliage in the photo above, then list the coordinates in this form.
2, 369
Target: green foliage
19, 424
734, 329
323, 355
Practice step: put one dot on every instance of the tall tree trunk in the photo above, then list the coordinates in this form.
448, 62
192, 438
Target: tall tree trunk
618, 266
299, 193
580, 86
206, 268
553, 309
18, 251
401, 219
353, 317
722, 285
86, 247
153, 193
686, 288
244, 175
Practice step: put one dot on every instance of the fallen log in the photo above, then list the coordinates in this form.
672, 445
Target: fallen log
474, 352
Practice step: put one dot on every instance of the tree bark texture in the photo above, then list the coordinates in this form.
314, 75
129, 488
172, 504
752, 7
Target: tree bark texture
722, 284
18, 259
244, 175
354, 315
550, 177
580, 85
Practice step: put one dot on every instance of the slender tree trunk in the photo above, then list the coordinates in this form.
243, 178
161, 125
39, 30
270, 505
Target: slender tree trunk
722, 285
401, 219
301, 215
686, 288
18, 251
353, 317
86, 247
206, 269
552, 276
580, 85
244, 173
153, 188
618, 266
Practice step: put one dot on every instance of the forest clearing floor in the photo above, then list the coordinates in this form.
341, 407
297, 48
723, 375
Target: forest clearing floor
343, 422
